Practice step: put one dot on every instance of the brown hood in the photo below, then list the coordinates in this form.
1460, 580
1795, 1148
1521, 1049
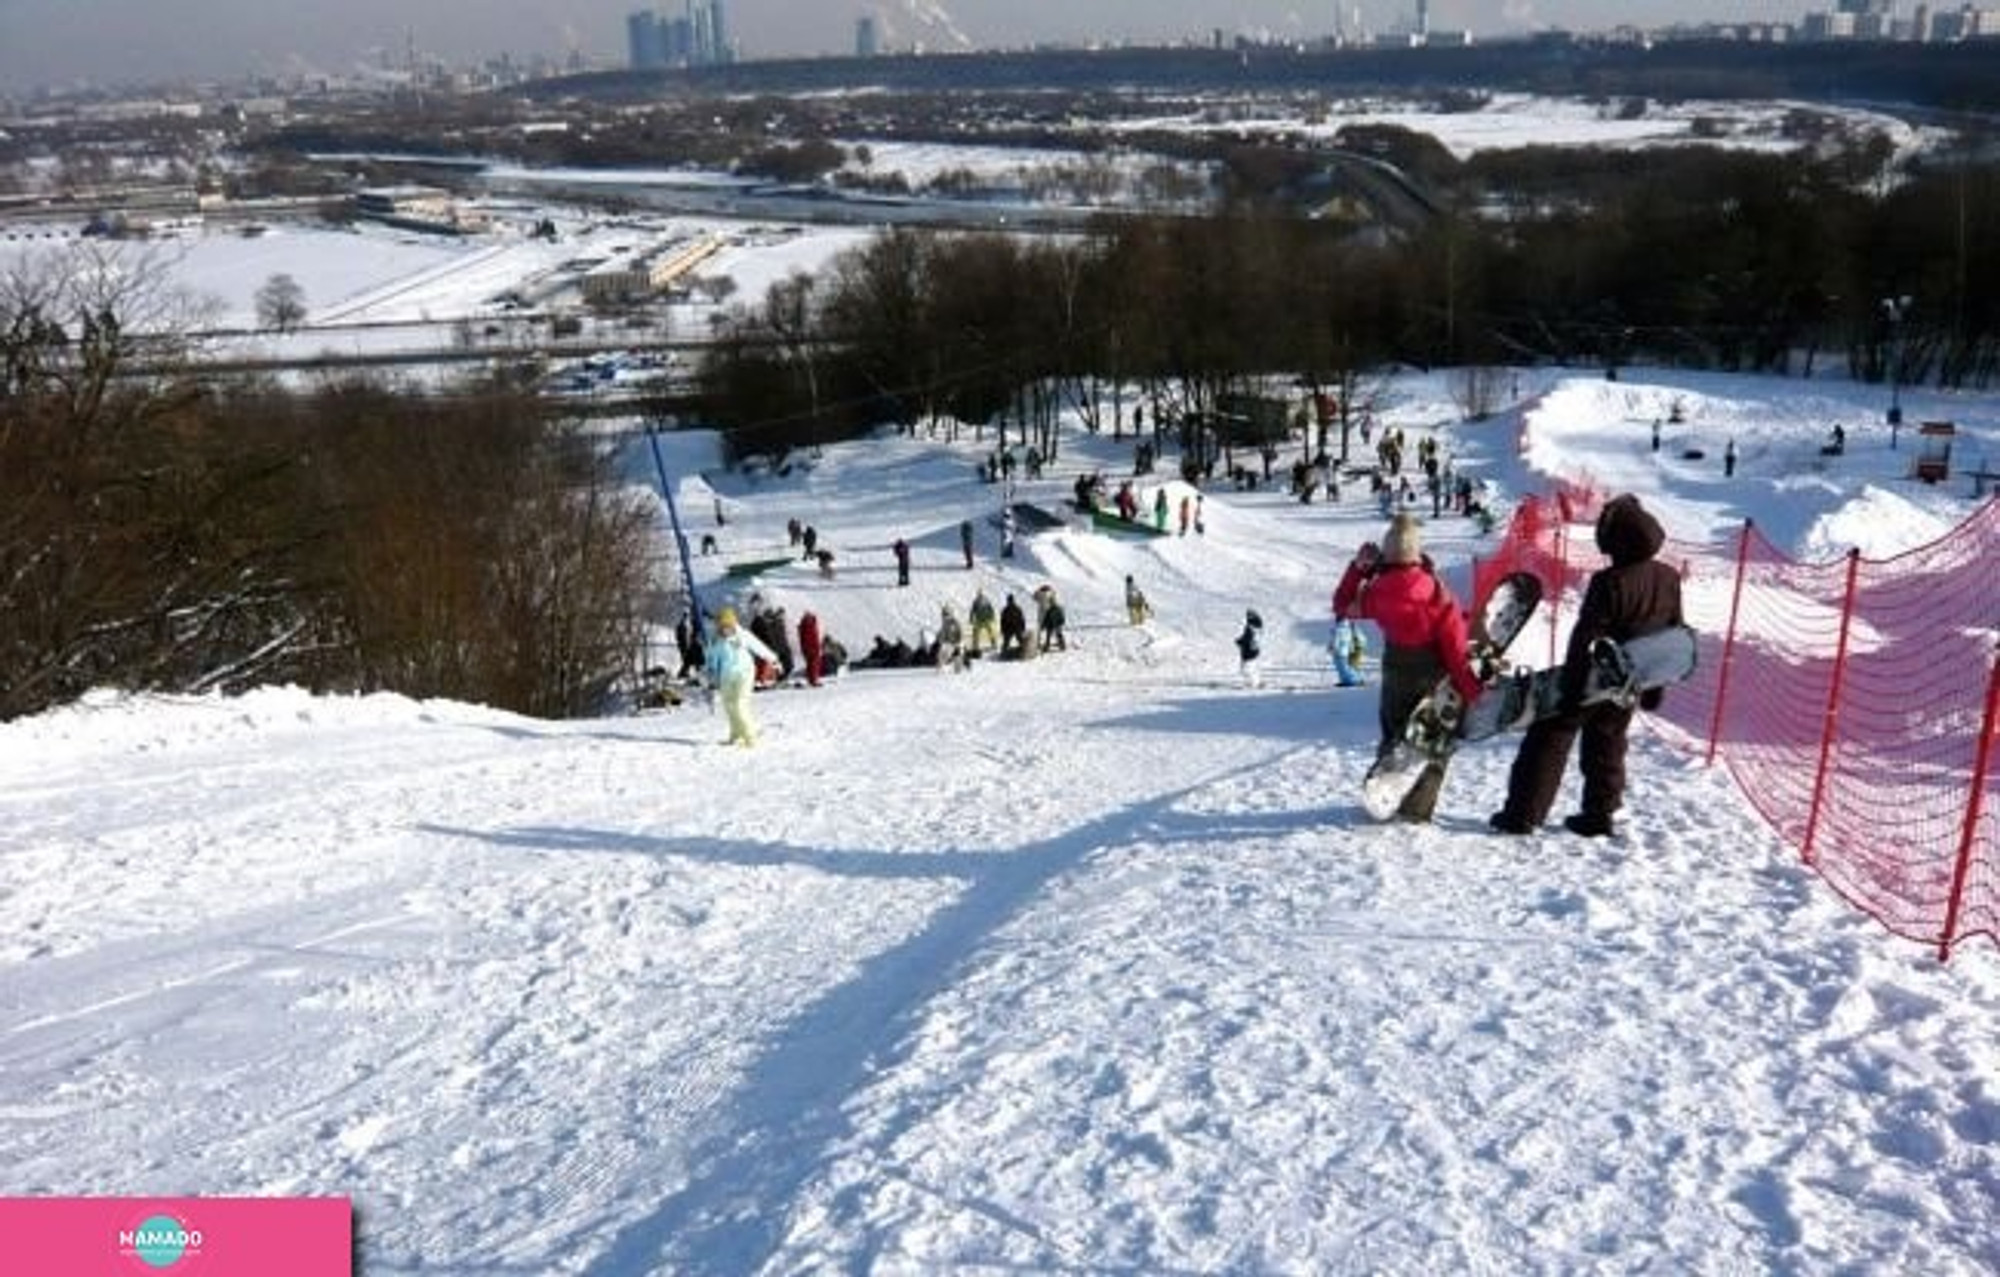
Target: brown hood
1627, 533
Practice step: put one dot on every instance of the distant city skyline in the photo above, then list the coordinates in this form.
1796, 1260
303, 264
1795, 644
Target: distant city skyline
63, 43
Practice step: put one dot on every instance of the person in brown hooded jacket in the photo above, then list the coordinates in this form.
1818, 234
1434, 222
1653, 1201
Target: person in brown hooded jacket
1636, 595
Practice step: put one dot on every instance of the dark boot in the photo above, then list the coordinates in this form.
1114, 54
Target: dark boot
1506, 822
1537, 772
1588, 825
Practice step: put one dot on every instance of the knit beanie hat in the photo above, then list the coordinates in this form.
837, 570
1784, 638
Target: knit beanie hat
1403, 544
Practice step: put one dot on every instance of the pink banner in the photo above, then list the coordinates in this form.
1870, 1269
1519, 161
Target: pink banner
178, 1236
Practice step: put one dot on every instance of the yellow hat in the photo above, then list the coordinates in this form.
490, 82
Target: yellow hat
727, 616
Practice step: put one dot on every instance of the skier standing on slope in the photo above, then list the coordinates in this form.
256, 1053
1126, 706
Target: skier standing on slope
731, 664
950, 641
1250, 646
985, 624
1136, 607
1423, 641
1637, 595
1014, 630
810, 650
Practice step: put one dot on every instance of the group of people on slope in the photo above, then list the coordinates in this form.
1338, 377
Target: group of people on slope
1425, 641
1002, 632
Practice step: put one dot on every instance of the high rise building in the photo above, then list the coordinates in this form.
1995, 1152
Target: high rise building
718, 34
699, 38
867, 43
646, 38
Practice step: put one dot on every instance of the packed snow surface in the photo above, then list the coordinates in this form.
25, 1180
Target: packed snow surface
1085, 964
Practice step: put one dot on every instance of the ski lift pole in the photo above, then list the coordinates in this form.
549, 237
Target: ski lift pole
674, 518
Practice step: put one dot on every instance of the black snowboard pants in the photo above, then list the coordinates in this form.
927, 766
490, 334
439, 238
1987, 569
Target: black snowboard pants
1538, 767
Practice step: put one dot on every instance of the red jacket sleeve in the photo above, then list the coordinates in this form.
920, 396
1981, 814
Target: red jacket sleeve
1451, 649
1348, 590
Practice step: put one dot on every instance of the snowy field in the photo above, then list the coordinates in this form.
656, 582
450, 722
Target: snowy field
1085, 965
1508, 120
375, 289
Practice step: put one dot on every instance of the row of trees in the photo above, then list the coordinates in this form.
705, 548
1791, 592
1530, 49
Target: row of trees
1698, 258
160, 532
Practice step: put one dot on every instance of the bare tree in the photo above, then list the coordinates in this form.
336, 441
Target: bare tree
1478, 390
281, 303
134, 544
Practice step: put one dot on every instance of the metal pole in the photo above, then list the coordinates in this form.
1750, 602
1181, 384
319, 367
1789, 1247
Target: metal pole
674, 518
1832, 718
1729, 642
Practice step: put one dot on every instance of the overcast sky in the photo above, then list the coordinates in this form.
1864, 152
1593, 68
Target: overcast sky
59, 41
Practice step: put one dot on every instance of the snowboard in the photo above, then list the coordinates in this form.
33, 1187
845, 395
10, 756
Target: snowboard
1619, 672
1432, 731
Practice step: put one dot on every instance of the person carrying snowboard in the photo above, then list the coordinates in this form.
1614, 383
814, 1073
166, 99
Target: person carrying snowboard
1635, 596
731, 665
1424, 640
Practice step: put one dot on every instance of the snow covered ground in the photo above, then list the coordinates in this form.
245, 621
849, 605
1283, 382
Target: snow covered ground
1510, 120
1090, 964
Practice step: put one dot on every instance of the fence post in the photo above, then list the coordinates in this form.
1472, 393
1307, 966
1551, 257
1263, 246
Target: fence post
1982, 759
1832, 704
1562, 579
1729, 642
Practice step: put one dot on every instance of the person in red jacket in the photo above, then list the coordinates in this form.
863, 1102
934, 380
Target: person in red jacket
1423, 640
810, 648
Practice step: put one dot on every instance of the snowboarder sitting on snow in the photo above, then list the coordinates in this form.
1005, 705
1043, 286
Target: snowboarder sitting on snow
1423, 640
832, 657
1635, 596
1250, 646
731, 666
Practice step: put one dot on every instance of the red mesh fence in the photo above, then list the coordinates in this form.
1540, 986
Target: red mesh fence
1854, 702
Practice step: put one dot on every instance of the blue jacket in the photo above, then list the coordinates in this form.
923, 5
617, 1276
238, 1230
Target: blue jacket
732, 658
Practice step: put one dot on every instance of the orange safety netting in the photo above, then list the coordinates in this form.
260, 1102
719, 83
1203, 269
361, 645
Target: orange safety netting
1854, 702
